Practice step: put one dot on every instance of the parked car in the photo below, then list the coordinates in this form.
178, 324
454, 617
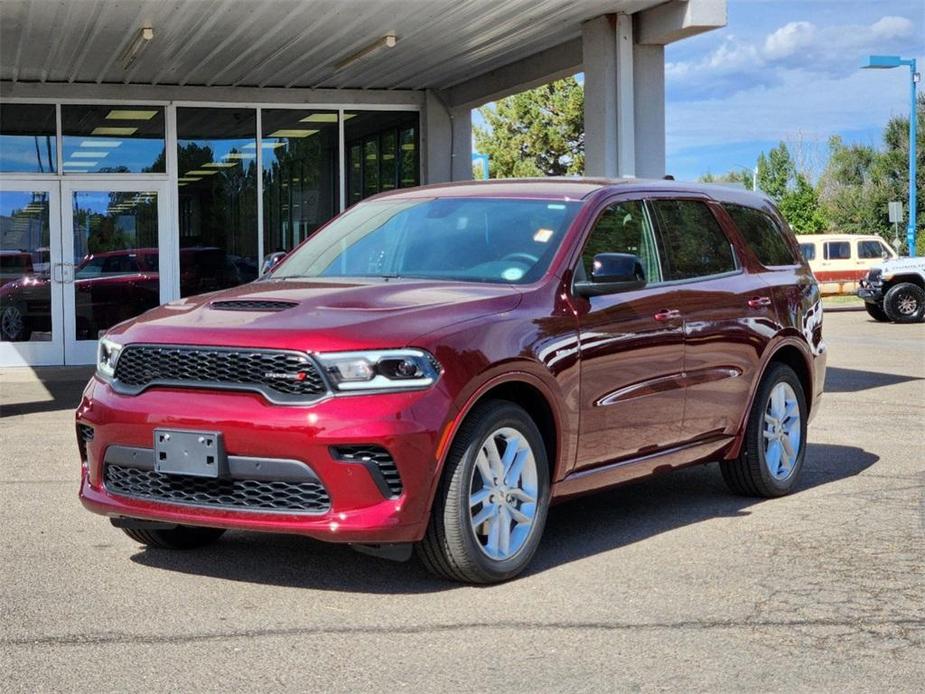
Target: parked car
895, 290
436, 366
840, 261
13, 265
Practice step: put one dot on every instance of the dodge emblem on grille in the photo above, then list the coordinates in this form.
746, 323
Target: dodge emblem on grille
298, 376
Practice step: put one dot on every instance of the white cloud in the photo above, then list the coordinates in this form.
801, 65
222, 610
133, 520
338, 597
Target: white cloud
789, 39
892, 27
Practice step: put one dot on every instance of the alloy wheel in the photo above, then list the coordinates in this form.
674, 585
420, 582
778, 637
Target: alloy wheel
11, 323
782, 431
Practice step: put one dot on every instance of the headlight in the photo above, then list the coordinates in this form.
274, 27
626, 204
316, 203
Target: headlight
107, 354
390, 369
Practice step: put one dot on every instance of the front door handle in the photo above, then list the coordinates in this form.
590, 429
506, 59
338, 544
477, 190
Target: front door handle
667, 314
759, 302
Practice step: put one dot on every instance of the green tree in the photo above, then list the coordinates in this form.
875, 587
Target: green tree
738, 177
539, 132
775, 172
800, 206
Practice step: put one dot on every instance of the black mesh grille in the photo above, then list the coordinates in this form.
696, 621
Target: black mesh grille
271, 372
251, 495
874, 275
377, 455
252, 305
84, 436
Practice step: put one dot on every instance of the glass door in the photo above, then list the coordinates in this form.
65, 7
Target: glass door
117, 262
31, 305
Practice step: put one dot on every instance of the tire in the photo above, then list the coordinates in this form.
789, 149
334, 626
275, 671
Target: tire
14, 326
759, 470
454, 547
181, 537
905, 303
876, 312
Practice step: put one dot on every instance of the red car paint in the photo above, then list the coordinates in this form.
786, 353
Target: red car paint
679, 389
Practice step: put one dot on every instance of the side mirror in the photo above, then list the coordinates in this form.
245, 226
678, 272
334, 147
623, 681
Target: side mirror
612, 273
271, 261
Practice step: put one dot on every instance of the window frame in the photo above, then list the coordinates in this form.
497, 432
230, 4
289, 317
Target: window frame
825, 250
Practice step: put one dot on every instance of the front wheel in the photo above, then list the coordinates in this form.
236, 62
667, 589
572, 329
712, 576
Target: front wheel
876, 312
775, 438
905, 303
491, 505
181, 537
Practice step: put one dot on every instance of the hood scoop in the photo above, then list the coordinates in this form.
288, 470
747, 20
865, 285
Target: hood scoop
252, 305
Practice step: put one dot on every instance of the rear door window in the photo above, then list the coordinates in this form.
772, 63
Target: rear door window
837, 250
763, 235
695, 245
871, 250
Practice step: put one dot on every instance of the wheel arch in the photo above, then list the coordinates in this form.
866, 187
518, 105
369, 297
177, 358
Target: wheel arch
911, 278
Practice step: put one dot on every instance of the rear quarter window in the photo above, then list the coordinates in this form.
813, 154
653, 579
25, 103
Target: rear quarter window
808, 250
763, 234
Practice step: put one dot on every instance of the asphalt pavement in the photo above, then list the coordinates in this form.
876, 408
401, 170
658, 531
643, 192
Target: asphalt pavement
667, 584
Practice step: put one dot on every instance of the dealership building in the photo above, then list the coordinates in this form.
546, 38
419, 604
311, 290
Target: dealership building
151, 150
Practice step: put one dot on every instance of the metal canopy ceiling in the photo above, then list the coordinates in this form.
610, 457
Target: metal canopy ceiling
283, 43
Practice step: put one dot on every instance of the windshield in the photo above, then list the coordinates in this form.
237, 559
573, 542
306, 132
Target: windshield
466, 239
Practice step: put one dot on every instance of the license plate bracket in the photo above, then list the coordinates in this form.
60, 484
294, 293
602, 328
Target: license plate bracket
193, 453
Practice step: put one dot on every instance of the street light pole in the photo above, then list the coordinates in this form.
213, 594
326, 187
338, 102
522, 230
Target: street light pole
882, 62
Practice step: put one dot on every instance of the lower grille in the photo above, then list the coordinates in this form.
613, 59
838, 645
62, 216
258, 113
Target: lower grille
244, 494
378, 460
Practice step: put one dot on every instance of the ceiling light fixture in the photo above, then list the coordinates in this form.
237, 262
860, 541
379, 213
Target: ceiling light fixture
101, 143
219, 165
293, 133
387, 41
319, 118
118, 132
239, 155
125, 114
201, 172
137, 45
80, 154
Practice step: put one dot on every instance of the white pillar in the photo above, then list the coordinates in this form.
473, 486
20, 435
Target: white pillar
436, 141
462, 144
610, 144
649, 107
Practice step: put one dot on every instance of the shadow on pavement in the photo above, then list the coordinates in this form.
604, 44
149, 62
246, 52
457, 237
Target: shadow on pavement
838, 380
64, 384
577, 529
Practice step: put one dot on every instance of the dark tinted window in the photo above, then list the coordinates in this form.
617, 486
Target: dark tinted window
808, 250
27, 138
763, 235
624, 228
871, 249
694, 243
838, 250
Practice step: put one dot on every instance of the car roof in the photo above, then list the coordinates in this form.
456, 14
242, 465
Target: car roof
808, 238
573, 188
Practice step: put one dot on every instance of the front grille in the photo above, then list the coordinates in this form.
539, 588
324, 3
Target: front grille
248, 495
874, 275
379, 459
287, 376
84, 436
252, 305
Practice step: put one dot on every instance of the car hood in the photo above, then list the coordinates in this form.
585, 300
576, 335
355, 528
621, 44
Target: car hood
895, 265
323, 315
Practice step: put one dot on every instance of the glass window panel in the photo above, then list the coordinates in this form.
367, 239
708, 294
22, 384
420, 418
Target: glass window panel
695, 245
25, 284
808, 250
624, 228
113, 139
27, 138
763, 234
838, 250
871, 249
389, 160
370, 138
300, 174
217, 156
115, 258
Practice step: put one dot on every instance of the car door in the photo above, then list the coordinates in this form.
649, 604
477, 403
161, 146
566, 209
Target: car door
723, 308
631, 348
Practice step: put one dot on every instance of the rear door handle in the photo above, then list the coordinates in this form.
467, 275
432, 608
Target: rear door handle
759, 302
667, 314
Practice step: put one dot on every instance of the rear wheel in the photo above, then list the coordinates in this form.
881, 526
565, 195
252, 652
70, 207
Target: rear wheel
876, 312
181, 537
905, 303
13, 324
775, 438
490, 508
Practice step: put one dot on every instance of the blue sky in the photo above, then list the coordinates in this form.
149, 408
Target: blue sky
787, 70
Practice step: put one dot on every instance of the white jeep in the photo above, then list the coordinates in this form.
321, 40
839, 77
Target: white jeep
894, 290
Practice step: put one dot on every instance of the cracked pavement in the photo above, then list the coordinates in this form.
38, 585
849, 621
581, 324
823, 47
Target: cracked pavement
667, 584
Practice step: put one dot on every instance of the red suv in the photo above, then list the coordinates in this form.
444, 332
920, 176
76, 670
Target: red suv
437, 365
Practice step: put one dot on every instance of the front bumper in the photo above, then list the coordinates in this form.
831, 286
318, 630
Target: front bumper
408, 425
871, 293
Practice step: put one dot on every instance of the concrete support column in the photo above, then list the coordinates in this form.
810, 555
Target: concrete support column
649, 109
446, 141
607, 55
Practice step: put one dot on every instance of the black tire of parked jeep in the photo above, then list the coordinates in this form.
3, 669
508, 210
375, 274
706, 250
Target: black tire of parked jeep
181, 537
905, 303
876, 312
450, 548
748, 474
